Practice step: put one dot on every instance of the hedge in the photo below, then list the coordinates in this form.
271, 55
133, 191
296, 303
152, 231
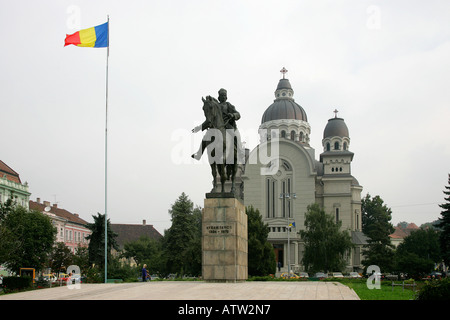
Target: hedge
435, 290
17, 283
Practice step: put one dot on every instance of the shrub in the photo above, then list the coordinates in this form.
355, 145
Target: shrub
435, 290
17, 283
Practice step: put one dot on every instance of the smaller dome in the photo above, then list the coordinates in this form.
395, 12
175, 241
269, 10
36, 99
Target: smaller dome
284, 84
284, 106
336, 127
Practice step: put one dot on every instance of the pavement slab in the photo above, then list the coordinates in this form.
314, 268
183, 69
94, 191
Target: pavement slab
193, 290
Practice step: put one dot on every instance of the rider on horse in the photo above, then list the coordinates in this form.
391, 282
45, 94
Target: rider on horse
230, 116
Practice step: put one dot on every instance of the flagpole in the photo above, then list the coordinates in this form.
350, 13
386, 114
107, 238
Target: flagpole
106, 163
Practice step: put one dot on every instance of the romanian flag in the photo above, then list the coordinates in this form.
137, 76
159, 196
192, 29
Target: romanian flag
95, 37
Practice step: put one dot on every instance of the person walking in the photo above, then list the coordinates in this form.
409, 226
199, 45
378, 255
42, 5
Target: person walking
144, 273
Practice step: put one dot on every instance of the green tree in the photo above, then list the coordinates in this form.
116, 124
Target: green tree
5, 208
60, 257
444, 225
325, 244
418, 252
81, 259
26, 237
144, 251
261, 257
376, 217
97, 241
182, 241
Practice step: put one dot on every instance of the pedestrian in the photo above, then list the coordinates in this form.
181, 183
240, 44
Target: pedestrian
144, 273
69, 278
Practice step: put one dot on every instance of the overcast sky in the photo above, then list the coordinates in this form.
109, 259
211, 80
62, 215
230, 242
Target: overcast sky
385, 65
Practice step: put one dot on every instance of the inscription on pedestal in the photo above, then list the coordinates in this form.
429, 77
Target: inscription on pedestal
219, 230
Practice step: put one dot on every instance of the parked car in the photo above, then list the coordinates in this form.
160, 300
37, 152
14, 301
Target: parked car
76, 278
320, 275
303, 275
285, 275
63, 276
337, 275
154, 277
49, 277
354, 275
435, 275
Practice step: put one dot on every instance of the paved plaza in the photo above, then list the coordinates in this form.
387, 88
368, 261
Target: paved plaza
193, 290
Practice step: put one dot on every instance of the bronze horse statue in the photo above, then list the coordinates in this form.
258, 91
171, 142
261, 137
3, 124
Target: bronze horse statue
220, 165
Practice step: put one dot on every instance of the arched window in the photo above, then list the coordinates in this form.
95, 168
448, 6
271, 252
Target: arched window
328, 146
286, 197
336, 145
345, 145
270, 198
293, 135
301, 136
283, 134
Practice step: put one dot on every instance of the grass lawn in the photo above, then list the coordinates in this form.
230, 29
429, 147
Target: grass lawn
384, 293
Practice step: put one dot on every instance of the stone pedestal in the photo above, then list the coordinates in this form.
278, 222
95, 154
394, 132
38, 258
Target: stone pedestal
224, 239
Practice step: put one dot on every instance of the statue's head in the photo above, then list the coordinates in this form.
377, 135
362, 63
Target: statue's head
222, 95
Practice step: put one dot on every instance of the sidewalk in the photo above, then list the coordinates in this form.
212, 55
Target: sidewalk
194, 290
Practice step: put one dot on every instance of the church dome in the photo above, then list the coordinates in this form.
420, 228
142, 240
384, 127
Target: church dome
336, 127
284, 106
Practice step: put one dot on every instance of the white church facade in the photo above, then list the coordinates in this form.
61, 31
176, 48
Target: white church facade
282, 188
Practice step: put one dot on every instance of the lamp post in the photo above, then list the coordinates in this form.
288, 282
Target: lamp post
282, 197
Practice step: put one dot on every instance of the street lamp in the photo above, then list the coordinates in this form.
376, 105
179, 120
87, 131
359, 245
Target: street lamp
289, 196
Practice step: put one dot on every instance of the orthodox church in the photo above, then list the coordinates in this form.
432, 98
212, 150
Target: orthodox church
282, 177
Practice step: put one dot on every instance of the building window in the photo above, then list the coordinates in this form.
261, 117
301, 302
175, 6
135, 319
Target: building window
290, 197
270, 198
283, 134
337, 214
328, 146
357, 221
283, 199
336, 146
286, 198
293, 135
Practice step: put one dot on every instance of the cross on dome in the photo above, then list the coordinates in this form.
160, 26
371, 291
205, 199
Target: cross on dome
335, 113
283, 71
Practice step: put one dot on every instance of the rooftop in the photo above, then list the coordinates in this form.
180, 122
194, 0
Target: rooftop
72, 217
10, 174
132, 232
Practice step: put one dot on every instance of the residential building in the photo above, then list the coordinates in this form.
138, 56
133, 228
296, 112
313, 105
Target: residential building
132, 232
402, 230
127, 233
71, 229
12, 187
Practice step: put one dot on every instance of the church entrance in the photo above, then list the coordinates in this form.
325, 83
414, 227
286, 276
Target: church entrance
279, 254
